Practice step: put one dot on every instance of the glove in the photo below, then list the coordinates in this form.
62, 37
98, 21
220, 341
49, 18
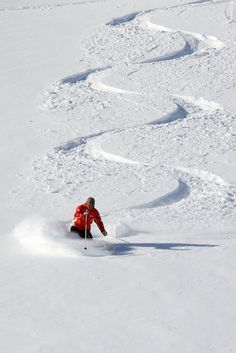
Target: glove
104, 233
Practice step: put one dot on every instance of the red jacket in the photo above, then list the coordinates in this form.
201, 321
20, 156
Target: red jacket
93, 215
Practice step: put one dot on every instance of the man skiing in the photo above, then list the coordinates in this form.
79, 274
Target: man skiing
84, 216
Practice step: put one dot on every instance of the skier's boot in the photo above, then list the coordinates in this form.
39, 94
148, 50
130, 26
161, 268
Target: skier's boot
89, 236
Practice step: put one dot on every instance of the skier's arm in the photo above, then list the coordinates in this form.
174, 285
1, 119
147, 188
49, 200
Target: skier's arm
79, 211
99, 223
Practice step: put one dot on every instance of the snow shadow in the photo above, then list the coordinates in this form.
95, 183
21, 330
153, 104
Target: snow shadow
125, 248
180, 193
124, 19
72, 144
82, 76
178, 114
186, 50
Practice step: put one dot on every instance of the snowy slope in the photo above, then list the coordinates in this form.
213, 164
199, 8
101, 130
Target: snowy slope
134, 104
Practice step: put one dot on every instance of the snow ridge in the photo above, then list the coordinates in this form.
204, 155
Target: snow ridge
123, 19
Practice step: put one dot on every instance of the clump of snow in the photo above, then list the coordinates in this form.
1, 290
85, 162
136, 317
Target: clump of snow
43, 236
122, 229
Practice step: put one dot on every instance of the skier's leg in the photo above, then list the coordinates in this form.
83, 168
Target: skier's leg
78, 231
89, 235
74, 229
81, 233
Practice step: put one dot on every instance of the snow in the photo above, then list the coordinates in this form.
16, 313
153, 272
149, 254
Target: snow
133, 103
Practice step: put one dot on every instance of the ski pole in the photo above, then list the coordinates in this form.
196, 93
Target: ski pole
121, 240
85, 235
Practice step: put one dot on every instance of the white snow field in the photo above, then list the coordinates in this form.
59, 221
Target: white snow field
134, 103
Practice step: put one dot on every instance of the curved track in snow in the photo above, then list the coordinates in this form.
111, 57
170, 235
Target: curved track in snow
178, 194
209, 41
192, 43
108, 153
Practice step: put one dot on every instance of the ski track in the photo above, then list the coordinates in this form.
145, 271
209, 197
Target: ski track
89, 148
180, 193
199, 191
113, 22
191, 42
48, 7
96, 152
208, 40
193, 185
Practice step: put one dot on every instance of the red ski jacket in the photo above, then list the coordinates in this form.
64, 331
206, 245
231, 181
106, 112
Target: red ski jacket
93, 215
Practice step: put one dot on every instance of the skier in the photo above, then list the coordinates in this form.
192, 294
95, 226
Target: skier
89, 212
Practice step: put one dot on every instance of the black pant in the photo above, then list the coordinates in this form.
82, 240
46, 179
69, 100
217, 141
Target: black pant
81, 232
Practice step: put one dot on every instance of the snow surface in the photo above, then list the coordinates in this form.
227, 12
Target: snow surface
133, 103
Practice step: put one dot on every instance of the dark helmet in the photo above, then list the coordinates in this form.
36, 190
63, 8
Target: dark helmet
90, 201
